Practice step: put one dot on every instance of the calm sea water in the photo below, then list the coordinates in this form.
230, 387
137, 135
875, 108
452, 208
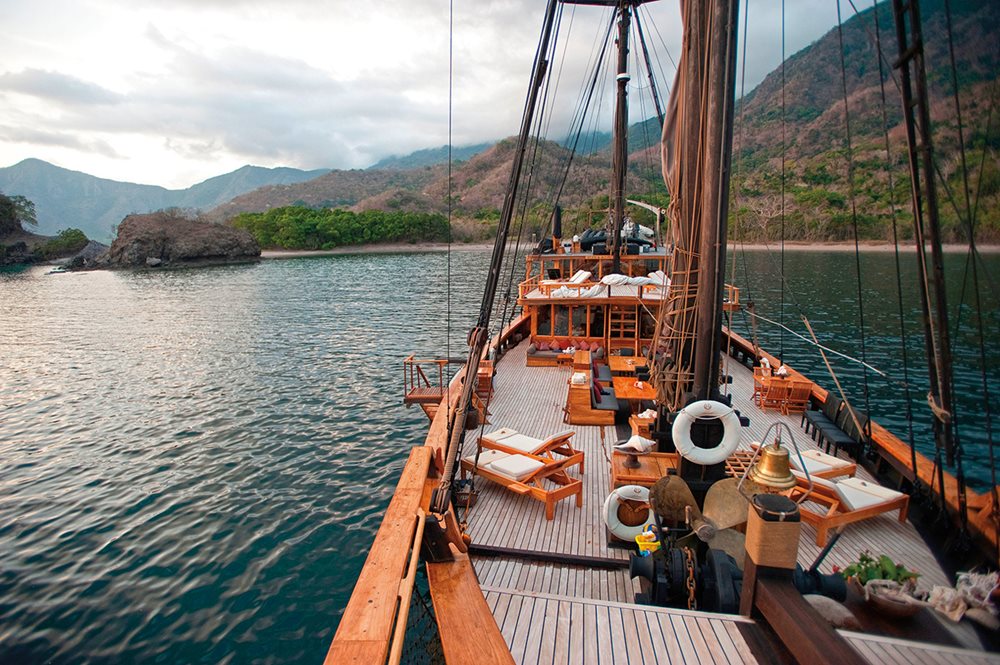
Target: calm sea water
823, 286
193, 463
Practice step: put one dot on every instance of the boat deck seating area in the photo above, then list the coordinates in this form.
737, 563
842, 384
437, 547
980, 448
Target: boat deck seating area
570, 555
834, 426
591, 399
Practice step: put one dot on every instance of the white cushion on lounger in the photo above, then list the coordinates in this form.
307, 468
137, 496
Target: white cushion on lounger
614, 279
857, 493
823, 483
526, 444
580, 277
516, 466
499, 434
594, 291
829, 460
639, 281
560, 435
812, 466
486, 457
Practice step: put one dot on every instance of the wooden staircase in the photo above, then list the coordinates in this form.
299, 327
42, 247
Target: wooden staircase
623, 327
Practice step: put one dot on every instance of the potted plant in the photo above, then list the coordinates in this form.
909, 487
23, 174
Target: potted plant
887, 585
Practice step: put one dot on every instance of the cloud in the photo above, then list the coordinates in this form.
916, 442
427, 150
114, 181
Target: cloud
57, 139
58, 87
201, 84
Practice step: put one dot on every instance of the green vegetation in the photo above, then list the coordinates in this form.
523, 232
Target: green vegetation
868, 568
69, 241
15, 212
298, 227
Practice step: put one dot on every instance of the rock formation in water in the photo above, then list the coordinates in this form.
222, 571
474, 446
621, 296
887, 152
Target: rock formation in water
169, 239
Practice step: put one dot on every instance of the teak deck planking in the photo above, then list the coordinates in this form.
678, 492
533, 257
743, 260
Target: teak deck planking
530, 401
546, 628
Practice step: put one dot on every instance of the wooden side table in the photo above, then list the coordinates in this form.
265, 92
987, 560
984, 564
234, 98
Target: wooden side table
652, 467
641, 426
484, 379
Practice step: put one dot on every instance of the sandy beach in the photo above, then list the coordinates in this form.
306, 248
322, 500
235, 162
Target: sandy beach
412, 248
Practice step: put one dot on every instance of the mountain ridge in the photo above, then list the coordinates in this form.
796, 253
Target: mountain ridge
66, 198
811, 154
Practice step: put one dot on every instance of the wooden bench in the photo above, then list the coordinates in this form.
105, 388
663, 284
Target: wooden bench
548, 359
581, 408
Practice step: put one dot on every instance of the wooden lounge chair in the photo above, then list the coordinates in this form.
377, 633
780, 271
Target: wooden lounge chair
510, 441
798, 397
845, 502
775, 394
527, 474
819, 464
759, 376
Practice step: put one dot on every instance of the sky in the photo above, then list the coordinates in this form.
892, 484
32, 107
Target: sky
173, 92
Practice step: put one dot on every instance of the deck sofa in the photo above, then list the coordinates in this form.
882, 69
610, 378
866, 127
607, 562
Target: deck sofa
593, 402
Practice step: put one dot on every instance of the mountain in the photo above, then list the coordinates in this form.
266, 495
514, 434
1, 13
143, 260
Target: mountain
817, 203
332, 189
429, 157
65, 198
817, 197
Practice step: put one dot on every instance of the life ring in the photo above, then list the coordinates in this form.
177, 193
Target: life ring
615, 525
706, 408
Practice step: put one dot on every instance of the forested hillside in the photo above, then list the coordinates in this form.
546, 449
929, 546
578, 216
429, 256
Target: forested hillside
798, 128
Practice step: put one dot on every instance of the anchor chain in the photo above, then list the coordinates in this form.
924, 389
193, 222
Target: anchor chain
690, 583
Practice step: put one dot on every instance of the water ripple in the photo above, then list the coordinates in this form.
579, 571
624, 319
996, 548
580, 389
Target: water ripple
194, 462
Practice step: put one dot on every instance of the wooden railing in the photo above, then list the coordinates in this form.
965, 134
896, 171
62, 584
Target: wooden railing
414, 376
731, 302
372, 629
894, 452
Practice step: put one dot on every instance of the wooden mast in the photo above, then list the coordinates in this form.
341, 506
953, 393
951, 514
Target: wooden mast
714, 201
697, 138
619, 164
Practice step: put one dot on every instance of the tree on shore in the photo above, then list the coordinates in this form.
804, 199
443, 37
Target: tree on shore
15, 213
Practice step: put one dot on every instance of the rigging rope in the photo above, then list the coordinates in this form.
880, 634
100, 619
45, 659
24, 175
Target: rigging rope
895, 243
784, 148
738, 168
805, 319
451, 86
854, 212
649, 69
970, 223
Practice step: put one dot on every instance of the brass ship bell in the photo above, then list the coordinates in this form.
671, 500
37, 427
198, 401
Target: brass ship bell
773, 471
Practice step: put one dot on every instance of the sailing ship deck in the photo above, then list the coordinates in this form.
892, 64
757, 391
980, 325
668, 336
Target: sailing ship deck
596, 597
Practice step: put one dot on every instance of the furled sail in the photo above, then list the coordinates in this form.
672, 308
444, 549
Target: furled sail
696, 141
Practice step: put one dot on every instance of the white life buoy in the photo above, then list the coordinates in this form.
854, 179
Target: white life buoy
626, 493
706, 409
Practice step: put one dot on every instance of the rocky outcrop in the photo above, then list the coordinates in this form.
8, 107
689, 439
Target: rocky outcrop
166, 239
14, 253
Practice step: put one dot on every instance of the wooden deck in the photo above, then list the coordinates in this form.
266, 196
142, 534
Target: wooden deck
524, 591
544, 628
902, 652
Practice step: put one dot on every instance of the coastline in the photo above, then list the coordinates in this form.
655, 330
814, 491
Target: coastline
414, 248
381, 248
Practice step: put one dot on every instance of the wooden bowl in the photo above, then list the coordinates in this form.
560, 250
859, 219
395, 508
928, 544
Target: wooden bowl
887, 603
